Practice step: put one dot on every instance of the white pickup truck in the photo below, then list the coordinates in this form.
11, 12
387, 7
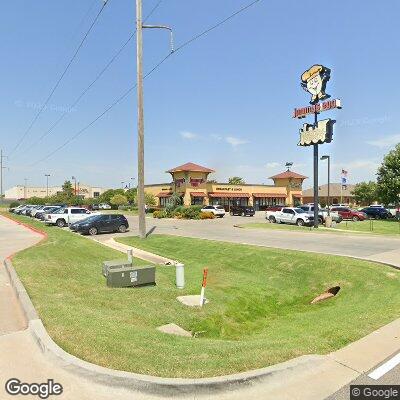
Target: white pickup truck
289, 215
66, 216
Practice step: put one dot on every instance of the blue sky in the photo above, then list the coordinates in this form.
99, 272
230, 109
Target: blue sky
224, 102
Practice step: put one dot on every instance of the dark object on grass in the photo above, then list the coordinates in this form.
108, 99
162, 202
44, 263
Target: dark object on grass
331, 292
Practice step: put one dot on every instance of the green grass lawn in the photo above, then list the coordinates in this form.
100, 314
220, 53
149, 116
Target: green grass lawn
259, 312
378, 227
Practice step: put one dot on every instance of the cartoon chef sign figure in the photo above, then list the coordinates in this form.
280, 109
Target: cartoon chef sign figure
314, 81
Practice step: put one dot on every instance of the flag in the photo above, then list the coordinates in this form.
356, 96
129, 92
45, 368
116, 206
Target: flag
344, 179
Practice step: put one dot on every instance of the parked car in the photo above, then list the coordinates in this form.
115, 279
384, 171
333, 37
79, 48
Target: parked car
101, 224
322, 213
104, 206
348, 213
26, 209
242, 210
16, 209
290, 215
46, 210
377, 212
66, 216
218, 211
94, 207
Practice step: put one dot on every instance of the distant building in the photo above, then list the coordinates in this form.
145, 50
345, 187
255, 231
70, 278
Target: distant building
21, 192
190, 181
337, 194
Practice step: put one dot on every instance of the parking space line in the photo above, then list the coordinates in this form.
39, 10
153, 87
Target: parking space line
385, 368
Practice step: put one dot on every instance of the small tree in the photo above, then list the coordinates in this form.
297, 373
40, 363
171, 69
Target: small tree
236, 180
108, 194
131, 195
365, 193
149, 199
118, 200
67, 189
388, 187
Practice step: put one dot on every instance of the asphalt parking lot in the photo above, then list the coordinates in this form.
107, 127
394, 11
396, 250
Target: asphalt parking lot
365, 246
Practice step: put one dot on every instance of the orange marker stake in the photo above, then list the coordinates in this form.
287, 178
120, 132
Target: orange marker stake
203, 286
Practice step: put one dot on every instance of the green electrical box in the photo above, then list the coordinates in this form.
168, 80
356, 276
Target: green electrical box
109, 265
131, 276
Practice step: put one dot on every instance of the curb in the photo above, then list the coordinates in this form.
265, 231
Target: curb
170, 387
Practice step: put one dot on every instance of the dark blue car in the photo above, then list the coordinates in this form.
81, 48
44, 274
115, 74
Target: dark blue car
376, 212
101, 223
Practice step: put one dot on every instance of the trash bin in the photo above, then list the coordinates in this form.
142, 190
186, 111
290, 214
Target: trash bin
180, 275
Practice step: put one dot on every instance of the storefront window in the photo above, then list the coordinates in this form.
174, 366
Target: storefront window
227, 202
165, 201
197, 201
261, 203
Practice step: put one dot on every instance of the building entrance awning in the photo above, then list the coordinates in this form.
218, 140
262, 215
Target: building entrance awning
198, 194
164, 194
230, 195
269, 195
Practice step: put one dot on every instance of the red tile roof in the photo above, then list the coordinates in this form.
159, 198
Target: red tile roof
288, 174
190, 167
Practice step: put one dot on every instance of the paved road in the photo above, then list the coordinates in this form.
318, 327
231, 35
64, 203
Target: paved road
392, 377
378, 248
21, 358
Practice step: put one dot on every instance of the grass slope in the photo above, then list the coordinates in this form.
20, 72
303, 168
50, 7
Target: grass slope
258, 315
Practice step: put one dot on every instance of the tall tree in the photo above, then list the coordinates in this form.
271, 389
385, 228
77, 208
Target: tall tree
236, 180
389, 177
365, 193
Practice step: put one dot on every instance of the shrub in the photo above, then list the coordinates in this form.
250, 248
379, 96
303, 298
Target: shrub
160, 214
207, 215
191, 212
14, 204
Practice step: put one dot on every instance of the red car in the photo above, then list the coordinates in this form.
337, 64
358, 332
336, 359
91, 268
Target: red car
348, 213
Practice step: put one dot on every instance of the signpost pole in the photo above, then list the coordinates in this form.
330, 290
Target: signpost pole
316, 199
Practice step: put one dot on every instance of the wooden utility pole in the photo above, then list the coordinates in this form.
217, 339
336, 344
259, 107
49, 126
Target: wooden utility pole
140, 123
1, 175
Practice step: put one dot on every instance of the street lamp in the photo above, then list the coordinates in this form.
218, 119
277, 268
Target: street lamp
329, 180
47, 184
74, 179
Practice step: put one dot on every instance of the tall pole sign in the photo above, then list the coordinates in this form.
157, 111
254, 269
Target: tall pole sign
314, 81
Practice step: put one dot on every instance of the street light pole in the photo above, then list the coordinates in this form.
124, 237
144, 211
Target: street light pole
74, 179
329, 181
1, 174
47, 184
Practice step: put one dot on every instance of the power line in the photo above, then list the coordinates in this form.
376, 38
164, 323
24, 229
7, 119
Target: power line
99, 75
60, 78
155, 67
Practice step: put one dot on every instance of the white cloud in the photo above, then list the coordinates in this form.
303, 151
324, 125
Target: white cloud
189, 135
216, 137
235, 142
273, 164
386, 141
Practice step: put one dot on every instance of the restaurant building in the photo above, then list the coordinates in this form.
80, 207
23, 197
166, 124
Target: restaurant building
191, 182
